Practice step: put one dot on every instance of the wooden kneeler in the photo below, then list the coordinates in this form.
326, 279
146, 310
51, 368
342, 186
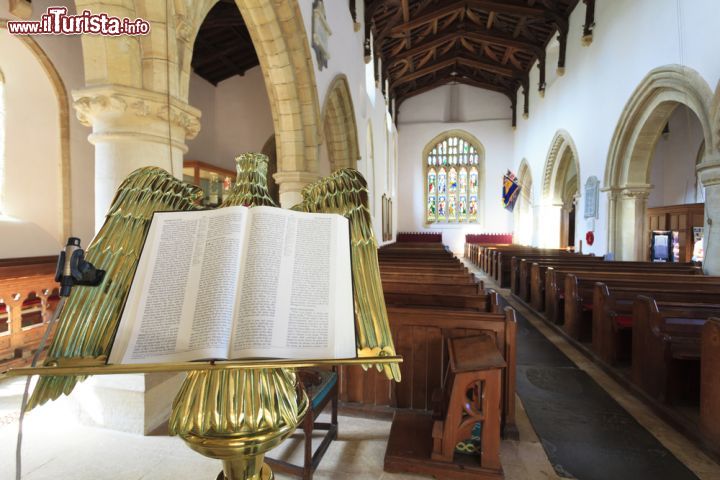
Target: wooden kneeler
473, 395
321, 387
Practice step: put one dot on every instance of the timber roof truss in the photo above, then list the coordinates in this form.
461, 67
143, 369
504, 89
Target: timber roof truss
490, 44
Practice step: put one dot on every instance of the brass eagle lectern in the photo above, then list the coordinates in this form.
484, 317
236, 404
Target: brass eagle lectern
231, 411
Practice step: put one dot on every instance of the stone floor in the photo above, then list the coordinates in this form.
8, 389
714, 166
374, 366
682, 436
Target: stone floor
56, 446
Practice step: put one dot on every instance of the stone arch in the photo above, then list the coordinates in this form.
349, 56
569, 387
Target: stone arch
560, 189
339, 126
562, 159
139, 67
627, 171
63, 123
523, 215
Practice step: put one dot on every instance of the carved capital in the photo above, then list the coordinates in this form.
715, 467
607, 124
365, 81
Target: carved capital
134, 105
709, 170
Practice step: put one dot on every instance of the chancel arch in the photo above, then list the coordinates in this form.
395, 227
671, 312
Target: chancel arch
33, 88
523, 215
560, 189
641, 125
339, 126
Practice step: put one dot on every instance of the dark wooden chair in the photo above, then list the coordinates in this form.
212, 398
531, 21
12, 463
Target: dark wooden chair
322, 388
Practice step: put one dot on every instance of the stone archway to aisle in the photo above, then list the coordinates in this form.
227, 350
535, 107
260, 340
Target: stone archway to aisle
136, 95
560, 190
627, 172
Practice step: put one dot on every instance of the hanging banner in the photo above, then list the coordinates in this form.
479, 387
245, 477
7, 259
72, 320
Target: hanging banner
511, 190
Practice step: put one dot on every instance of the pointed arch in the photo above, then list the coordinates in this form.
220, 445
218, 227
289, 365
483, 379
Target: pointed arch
627, 171
339, 125
560, 189
562, 160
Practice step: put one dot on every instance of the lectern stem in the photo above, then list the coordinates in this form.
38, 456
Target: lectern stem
247, 468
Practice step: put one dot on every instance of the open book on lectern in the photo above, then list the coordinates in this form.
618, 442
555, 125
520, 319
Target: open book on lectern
240, 282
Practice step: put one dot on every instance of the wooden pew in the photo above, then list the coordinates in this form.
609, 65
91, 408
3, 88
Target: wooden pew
432, 289
710, 381
664, 335
579, 293
612, 313
521, 266
484, 302
420, 337
555, 280
539, 275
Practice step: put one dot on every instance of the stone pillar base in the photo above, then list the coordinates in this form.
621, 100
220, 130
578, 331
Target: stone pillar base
129, 403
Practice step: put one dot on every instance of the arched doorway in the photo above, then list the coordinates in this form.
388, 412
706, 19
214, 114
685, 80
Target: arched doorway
524, 218
641, 125
339, 127
561, 188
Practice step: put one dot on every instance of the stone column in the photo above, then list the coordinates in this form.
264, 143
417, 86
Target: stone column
291, 186
709, 171
551, 219
132, 128
632, 234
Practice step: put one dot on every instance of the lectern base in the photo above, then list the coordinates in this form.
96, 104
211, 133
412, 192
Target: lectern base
265, 474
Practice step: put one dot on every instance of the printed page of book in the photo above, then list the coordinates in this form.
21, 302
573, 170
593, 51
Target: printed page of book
180, 306
295, 298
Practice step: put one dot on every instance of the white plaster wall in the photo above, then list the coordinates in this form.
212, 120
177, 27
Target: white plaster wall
32, 186
672, 173
236, 118
599, 79
484, 114
65, 53
346, 57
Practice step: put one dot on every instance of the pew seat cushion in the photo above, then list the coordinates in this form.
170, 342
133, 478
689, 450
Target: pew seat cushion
624, 321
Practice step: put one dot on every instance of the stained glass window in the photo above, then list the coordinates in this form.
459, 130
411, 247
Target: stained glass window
452, 181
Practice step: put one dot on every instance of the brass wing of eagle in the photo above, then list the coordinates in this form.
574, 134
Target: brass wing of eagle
90, 318
345, 192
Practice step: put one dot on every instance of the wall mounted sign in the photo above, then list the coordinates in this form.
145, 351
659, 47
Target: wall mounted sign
321, 34
592, 195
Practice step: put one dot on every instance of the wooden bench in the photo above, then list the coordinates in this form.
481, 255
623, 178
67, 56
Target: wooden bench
664, 335
613, 316
520, 269
555, 281
539, 275
579, 293
710, 381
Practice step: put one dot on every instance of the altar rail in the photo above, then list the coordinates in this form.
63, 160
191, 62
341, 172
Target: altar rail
424, 237
28, 295
489, 238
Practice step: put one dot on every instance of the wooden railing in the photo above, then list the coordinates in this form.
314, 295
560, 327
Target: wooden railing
28, 296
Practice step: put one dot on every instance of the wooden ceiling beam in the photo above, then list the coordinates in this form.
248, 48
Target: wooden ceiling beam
429, 17
440, 64
513, 9
406, 18
477, 36
434, 67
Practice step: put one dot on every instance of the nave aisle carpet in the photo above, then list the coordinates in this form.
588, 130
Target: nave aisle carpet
586, 434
